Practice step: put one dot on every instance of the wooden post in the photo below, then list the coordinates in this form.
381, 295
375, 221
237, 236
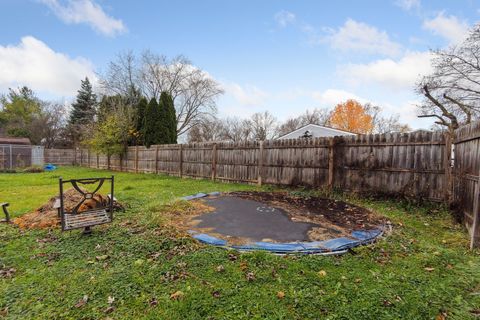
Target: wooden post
98, 161
260, 163
448, 168
181, 160
214, 161
156, 159
331, 162
74, 156
88, 158
475, 233
136, 159
81, 157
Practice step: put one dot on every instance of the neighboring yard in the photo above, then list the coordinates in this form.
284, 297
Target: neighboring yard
140, 267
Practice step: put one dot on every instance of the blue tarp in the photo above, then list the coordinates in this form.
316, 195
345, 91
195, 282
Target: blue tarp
339, 244
205, 238
195, 196
366, 235
49, 167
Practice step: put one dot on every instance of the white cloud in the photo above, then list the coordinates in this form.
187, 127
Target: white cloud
88, 12
449, 27
408, 4
245, 95
332, 97
32, 63
361, 37
284, 18
400, 74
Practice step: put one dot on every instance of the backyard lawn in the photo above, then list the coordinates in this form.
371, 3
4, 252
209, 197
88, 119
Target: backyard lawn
141, 267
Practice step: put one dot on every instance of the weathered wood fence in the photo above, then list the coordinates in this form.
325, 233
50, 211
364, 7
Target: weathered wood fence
466, 178
417, 165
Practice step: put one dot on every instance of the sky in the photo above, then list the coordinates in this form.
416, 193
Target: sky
276, 55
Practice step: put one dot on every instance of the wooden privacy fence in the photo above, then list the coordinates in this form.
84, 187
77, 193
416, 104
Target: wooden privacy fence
466, 175
413, 164
417, 164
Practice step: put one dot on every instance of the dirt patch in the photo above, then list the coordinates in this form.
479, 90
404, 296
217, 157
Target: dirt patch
180, 214
332, 218
46, 216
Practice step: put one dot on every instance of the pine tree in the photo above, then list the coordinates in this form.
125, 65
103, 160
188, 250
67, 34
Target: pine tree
83, 109
170, 120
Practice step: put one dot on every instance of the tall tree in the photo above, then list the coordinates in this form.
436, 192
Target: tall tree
452, 91
154, 128
193, 91
170, 120
18, 110
351, 116
83, 109
263, 125
140, 120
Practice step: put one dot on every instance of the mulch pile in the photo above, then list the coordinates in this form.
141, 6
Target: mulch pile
46, 216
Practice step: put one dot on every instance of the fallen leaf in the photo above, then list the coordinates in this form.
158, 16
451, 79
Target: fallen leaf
82, 302
110, 309
153, 302
358, 280
250, 276
280, 294
102, 257
216, 294
177, 295
243, 265
429, 269
110, 299
220, 268
232, 257
322, 273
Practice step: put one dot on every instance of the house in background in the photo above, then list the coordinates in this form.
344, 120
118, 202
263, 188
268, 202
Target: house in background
314, 131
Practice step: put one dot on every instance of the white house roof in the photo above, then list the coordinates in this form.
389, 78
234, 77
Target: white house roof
316, 131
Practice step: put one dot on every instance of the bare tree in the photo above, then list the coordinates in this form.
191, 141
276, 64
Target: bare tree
384, 124
263, 126
208, 129
193, 91
452, 90
236, 129
50, 124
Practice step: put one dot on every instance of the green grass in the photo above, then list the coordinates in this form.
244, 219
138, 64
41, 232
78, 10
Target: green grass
140, 262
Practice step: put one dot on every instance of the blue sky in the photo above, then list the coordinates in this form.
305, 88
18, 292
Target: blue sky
281, 56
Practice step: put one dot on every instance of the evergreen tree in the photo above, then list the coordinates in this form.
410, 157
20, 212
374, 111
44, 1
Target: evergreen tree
170, 119
83, 109
140, 119
154, 132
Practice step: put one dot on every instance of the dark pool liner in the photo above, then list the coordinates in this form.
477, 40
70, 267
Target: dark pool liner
334, 245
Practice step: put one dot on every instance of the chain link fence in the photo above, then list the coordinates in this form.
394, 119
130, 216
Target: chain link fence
20, 156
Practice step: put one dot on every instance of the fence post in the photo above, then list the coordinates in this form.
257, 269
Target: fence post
448, 167
181, 160
214, 161
475, 233
331, 162
136, 159
260, 163
98, 160
156, 159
